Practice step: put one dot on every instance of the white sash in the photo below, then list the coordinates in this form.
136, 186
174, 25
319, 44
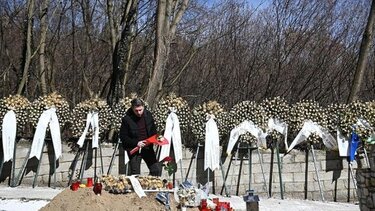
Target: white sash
93, 120
48, 117
212, 145
173, 134
9, 130
279, 126
310, 127
246, 126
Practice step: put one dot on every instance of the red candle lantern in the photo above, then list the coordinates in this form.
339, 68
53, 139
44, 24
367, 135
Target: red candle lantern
98, 188
170, 185
75, 186
89, 182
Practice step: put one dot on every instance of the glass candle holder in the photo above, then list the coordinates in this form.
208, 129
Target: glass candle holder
89, 182
98, 188
169, 185
75, 185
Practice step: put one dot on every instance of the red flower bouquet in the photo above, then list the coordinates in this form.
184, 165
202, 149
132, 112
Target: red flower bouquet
169, 165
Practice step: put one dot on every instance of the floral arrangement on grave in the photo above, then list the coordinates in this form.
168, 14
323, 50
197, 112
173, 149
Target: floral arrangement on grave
276, 108
358, 117
53, 100
79, 116
182, 110
116, 185
122, 184
308, 110
21, 107
120, 109
198, 122
188, 195
249, 110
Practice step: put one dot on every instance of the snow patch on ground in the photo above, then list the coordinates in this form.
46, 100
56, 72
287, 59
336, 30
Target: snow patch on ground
17, 205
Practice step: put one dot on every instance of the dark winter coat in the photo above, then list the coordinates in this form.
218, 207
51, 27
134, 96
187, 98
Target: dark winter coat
129, 128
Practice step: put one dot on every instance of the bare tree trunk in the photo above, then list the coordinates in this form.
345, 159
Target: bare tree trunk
167, 18
87, 17
51, 76
111, 23
73, 53
128, 38
122, 51
363, 55
27, 47
160, 52
43, 35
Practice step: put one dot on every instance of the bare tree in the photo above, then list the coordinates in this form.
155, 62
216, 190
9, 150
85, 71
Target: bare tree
363, 55
42, 49
122, 48
168, 16
298, 49
87, 45
112, 24
27, 47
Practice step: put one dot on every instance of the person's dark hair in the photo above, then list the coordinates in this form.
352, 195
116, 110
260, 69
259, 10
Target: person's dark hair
136, 102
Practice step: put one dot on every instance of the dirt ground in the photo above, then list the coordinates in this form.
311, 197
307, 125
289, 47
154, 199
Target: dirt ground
34, 199
84, 199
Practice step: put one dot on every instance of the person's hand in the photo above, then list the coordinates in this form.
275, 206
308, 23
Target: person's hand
141, 144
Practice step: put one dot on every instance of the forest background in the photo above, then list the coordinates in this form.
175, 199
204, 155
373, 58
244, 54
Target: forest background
224, 50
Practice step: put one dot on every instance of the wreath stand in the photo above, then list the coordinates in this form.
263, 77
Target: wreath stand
21, 173
275, 145
17, 180
351, 172
85, 150
194, 158
310, 148
113, 157
249, 148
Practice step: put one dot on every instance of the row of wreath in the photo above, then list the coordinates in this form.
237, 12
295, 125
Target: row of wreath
192, 120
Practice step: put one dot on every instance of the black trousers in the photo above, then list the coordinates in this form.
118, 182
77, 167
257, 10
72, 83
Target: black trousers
149, 156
